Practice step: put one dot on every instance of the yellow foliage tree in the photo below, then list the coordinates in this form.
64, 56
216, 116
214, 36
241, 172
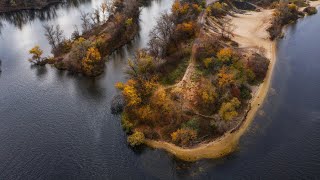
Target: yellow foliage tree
91, 62
36, 53
130, 92
136, 139
225, 78
228, 110
184, 136
225, 55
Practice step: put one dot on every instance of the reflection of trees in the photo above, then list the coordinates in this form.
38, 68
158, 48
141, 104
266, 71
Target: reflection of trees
20, 18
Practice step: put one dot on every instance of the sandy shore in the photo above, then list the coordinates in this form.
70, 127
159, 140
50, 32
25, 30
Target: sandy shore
250, 32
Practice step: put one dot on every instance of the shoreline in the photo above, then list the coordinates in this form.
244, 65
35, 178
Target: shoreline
250, 34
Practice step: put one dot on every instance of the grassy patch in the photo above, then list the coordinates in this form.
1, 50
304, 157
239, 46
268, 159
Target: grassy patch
176, 73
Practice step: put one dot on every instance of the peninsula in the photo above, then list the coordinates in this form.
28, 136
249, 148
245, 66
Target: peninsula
194, 91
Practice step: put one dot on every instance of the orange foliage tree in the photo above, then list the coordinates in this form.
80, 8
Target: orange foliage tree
92, 62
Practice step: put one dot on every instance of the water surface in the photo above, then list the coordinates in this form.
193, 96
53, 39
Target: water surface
56, 125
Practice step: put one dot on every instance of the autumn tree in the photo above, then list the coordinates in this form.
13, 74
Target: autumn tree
217, 9
225, 78
207, 96
185, 30
92, 63
184, 136
136, 139
130, 92
228, 110
142, 66
224, 56
36, 53
258, 64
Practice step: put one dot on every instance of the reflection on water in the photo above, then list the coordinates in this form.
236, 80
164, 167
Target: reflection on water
20, 18
57, 125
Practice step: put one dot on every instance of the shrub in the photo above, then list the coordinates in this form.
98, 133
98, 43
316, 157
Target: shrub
310, 10
136, 139
191, 124
245, 93
259, 66
228, 110
208, 62
125, 123
184, 136
224, 56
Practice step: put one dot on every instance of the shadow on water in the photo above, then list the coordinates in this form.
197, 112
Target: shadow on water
40, 71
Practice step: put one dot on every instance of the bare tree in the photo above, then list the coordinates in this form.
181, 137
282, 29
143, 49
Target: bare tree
161, 35
50, 35
86, 22
227, 27
54, 35
59, 35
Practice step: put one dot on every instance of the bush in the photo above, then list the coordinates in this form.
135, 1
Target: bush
136, 139
310, 10
191, 124
245, 93
184, 136
259, 66
228, 110
217, 9
126, 124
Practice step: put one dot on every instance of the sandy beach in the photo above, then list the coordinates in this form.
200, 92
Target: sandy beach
250, 32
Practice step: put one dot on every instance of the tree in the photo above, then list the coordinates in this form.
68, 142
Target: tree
225, 78
92, 62
54, 35
86, 22
185, 30
142, 66
227, 27
36, 53
161, 36
184, 136
136, 139
207, 95
130, 93
259, 66
79, 50
228, 110
224, 56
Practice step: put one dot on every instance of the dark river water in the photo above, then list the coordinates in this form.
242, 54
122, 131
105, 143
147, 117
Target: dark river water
55, 125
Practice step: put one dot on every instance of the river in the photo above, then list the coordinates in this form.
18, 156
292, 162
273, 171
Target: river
57, 125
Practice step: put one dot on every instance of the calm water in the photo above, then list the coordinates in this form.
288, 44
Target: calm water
55, 125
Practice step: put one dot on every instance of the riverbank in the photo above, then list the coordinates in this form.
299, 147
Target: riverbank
37, 5
250, 33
